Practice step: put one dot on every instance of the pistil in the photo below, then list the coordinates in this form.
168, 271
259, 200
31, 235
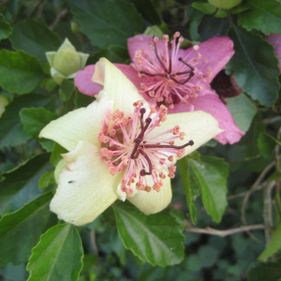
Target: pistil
167, 76
128, 146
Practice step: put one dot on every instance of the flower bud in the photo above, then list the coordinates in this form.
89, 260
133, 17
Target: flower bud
224, 4
3, 103
66, 61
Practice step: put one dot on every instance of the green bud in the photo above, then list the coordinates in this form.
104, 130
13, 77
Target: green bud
66, 61
224, 4
3, 103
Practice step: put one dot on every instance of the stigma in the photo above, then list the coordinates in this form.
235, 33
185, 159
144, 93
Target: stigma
167, 73
136, 146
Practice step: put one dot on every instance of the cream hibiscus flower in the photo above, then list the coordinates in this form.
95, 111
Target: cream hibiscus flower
121, 148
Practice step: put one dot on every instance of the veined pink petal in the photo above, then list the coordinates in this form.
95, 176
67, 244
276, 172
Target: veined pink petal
139, 42
275, 41
83, 81
215, 53
212, 104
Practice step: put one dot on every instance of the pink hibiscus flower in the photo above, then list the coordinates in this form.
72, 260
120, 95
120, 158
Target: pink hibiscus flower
178, 78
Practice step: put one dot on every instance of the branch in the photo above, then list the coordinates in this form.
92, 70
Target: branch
226, 232
254, 187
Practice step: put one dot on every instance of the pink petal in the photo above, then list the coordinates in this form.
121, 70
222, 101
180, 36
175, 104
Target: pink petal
139, 42
212, 104
216, 53
275, 41
83, 81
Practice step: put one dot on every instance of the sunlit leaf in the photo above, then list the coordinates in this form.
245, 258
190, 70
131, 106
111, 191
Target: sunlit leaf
156, 239
57, 256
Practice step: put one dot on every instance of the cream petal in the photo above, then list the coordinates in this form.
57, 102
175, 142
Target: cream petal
85, 186
116, 85
83, 124
154, 201
198, 126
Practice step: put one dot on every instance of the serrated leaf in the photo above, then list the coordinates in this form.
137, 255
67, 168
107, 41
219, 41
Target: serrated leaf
34, 38
20, 230
34, 119
20, 185
5, 28
11, 133
255, 67
209, 175
19, 72
273, 246
264, 16
57, 256
188, 187
157, 239
243, 111
107, 22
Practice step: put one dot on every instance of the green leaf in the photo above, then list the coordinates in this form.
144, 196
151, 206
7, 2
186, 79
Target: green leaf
209, 175
188, 181
255, 67
156, 239
205, 8
20, 185
11, 133
57, 256
107, 22
34, 38
264, 16
243, 111
34, 119
113, 53
148, 11
20, 230
5, 28
19, 72
273, 246
265, 272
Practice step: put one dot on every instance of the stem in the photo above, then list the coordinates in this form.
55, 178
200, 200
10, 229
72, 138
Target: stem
226, 232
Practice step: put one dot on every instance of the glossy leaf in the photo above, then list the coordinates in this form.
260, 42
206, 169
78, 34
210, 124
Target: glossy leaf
107, 22
188, 185
262, 15
243, 111
34, 119
18, 233
156, 239
57, 256
20, 185
26, 36
19, 72
255, 67
209, 175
